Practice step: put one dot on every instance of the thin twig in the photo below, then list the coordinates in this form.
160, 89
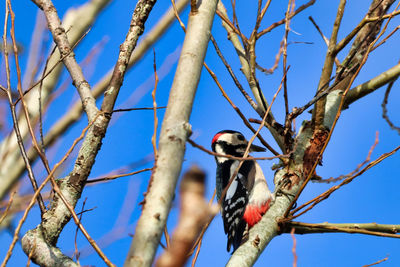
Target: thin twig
12, 107
199, 240
153, 95
326, 40
282, 21
245, 155
241, 115
28, 263
232, 74
384, 108
386, 38
32, 202
113, 177
327, 193
76, 253
132, 109
10, 201
377, 262
190, 141
382, 230
294, 247
359, 166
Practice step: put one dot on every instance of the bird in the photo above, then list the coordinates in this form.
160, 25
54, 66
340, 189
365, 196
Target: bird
248, 197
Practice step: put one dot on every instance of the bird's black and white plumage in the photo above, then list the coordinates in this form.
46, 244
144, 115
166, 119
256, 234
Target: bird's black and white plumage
248, 197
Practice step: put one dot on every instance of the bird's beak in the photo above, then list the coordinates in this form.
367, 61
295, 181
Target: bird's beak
254, 148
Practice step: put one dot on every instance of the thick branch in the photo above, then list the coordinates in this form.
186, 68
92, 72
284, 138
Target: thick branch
351, 228
174, 133
194, 213
71, 187
61, 39
42, 253
319, 110
355, 59
370, 86
309, 147
275, 129
14, 167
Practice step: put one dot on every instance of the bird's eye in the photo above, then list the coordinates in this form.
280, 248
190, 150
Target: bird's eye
240, 137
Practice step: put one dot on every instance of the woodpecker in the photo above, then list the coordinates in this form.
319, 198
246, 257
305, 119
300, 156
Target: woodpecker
248, 196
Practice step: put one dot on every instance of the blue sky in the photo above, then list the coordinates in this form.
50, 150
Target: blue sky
372, 197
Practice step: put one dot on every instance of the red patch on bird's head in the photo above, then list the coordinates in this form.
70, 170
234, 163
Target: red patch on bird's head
215, 138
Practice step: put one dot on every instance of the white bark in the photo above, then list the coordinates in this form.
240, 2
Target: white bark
11, 169
81, 18
264, 231
174, 133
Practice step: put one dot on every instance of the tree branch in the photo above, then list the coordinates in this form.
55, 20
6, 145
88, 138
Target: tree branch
13, 165
174, 133
309, 146
71, 187
194, 213
275, 129
370, 86
384, 230
319, 108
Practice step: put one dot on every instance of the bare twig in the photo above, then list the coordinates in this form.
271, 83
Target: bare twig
113, 177
327, 193
326, 40
294, 247
76, 252
197, 244
61, 39
153, 95
319, 108
232, 74
383, 230
190, 141
384, 108
359, 166
9, 203
175, 130
12, 107
32, 202
282, 21
377, 262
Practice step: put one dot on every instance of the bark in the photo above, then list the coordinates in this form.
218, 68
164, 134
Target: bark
72, 186
174, 133
81, 18
15, 168
193, 215
309, 144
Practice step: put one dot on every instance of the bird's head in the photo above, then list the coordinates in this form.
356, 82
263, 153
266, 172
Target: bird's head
228, 142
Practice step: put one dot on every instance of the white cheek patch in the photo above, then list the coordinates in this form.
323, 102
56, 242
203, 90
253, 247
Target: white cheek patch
219, 150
